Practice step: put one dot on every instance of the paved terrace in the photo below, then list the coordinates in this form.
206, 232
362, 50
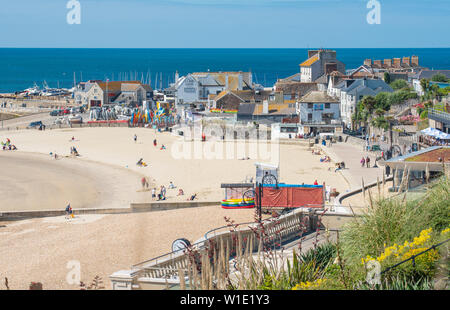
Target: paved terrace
351, 154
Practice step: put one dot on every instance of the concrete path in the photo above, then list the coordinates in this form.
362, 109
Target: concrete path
351, 154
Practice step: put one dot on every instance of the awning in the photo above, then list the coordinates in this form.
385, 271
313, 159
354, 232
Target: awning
433, 132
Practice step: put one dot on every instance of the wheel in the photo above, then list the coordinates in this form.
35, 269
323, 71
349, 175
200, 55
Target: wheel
247, 195
269, 179
180, 244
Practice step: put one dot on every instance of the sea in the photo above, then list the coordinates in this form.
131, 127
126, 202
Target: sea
21, 68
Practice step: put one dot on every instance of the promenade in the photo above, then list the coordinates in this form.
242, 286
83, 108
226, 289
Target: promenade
353, 173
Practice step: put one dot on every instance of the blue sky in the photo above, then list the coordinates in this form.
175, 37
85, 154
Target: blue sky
225, 23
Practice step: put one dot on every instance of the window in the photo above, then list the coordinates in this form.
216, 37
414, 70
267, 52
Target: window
310, 105
309, 116
327, 105
189, 90
288, 129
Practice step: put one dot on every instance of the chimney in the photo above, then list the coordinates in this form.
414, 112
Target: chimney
415, 61
368, 62
397, 62
388, 62
377, 63
311, 53
406, 61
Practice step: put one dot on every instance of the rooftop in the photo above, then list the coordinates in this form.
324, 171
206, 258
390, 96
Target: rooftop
310, 61
318, 97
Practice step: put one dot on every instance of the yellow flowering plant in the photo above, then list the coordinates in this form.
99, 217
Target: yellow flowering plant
310, 285
400, 252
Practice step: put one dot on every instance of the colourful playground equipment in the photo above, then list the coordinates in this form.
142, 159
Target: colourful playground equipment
238, 203
159, 117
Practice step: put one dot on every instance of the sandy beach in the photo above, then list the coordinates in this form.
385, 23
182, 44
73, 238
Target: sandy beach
106, 175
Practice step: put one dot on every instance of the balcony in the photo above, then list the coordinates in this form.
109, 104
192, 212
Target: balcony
439, 116
327, 121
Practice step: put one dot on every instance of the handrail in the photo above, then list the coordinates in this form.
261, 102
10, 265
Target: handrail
414, 256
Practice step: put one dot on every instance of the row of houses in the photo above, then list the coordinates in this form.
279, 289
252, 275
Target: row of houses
321, 97
97, 93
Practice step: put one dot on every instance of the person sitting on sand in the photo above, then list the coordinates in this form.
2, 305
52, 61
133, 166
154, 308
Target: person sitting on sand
180, 192
153, 192
192, 197
171, 186
13, 147
163, 147
141, 163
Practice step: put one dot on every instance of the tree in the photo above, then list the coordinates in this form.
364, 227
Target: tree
380, 122
399, 84
387, 77
425, 84
383, 101
439, 78
369, 103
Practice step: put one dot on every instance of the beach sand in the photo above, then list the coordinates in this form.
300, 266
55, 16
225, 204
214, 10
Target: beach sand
115, 147
106, 175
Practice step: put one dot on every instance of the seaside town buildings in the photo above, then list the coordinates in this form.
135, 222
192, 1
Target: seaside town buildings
196, 87
97, 93
351, 91
321, 97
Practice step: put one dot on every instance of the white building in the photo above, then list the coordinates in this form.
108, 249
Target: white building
318, 112
350, 92
319, 63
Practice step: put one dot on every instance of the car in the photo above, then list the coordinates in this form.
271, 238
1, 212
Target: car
54, 113
35, 124
66, 111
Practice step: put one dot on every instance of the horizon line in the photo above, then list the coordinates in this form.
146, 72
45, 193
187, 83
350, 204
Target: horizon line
14, 47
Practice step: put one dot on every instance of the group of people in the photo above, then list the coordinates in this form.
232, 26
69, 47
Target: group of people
162, 190
365, 162
432, 141
8, 146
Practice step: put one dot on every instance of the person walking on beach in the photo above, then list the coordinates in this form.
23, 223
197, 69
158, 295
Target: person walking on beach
143, 182
363, 162
368, 161
153, 192
69, 211
135, 138
154, 142
316, 183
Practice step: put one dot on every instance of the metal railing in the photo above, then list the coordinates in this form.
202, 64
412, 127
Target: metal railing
438, 114
414, 257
